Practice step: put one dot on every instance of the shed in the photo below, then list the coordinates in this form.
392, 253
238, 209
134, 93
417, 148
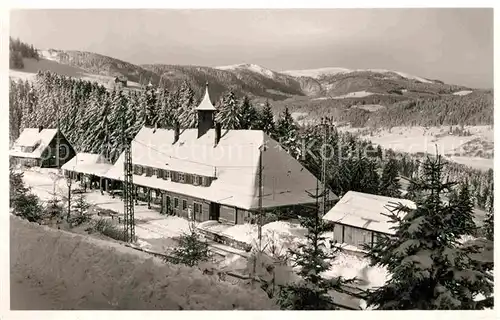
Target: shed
359, 217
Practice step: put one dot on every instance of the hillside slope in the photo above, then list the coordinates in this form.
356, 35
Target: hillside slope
257, 81
77, 272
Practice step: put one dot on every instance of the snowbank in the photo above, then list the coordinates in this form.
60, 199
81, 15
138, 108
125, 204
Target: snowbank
78, 272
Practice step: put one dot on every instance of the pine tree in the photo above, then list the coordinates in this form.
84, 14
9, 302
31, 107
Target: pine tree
429, 267
266, 120
190, 251
488, 223
287, 133
229, 114
249, 115
80, 208
17, 186
187, 115
389, 182
312, 292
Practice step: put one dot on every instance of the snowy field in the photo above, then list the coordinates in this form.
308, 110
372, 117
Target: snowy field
421, 139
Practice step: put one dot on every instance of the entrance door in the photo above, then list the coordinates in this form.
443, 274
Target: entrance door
214, 211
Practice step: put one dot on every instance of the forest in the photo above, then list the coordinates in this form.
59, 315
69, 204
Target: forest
19, 50
92, 118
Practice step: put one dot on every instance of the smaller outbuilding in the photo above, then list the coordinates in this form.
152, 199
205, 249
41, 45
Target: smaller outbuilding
359, 218
37, 147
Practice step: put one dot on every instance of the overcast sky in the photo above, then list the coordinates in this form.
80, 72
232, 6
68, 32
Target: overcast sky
453, 45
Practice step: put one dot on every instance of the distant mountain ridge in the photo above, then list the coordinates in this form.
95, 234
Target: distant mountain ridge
257, 81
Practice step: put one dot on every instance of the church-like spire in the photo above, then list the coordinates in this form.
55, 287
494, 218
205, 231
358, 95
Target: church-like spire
206, 113
206, 104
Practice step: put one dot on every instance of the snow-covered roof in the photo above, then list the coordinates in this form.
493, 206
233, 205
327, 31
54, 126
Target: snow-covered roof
365, 210
234, 162
88, 163
30, 137
206, 104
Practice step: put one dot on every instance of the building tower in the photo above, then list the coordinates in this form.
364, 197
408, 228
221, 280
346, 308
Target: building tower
206, 114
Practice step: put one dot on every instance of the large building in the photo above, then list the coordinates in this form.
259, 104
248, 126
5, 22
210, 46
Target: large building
38, 148
359, 218
213, 173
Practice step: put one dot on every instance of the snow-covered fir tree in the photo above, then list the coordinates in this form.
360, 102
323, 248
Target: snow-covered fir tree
429, 267
287, 132
312, 259
229, 112
389, 182
191, 249
266, 120
187, 115
249, 115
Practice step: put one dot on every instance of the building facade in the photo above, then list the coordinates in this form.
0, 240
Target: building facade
359, 219
212, 174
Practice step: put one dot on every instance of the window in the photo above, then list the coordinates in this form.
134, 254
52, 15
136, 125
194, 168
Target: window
189, 178
155, 172
184, 204
176, 203
63, 151
199, 180
165, 175
149, 171
182, 177
159, 173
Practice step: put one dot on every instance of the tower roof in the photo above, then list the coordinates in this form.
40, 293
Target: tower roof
206, 104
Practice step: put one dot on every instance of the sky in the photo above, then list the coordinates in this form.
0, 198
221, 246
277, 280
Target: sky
452, 45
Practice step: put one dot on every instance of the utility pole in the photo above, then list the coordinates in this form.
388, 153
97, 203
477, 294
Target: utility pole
128, 184
57, 135
69, 182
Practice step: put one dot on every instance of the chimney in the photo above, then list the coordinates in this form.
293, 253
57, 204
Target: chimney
40, 128
176, 132
217, 133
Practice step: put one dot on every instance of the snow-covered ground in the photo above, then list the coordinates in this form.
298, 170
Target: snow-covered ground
63, 270
149, 223
462, 93
369, 107
48, 63
251, 67
356, 94
421, 139
316, 73
279, 236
